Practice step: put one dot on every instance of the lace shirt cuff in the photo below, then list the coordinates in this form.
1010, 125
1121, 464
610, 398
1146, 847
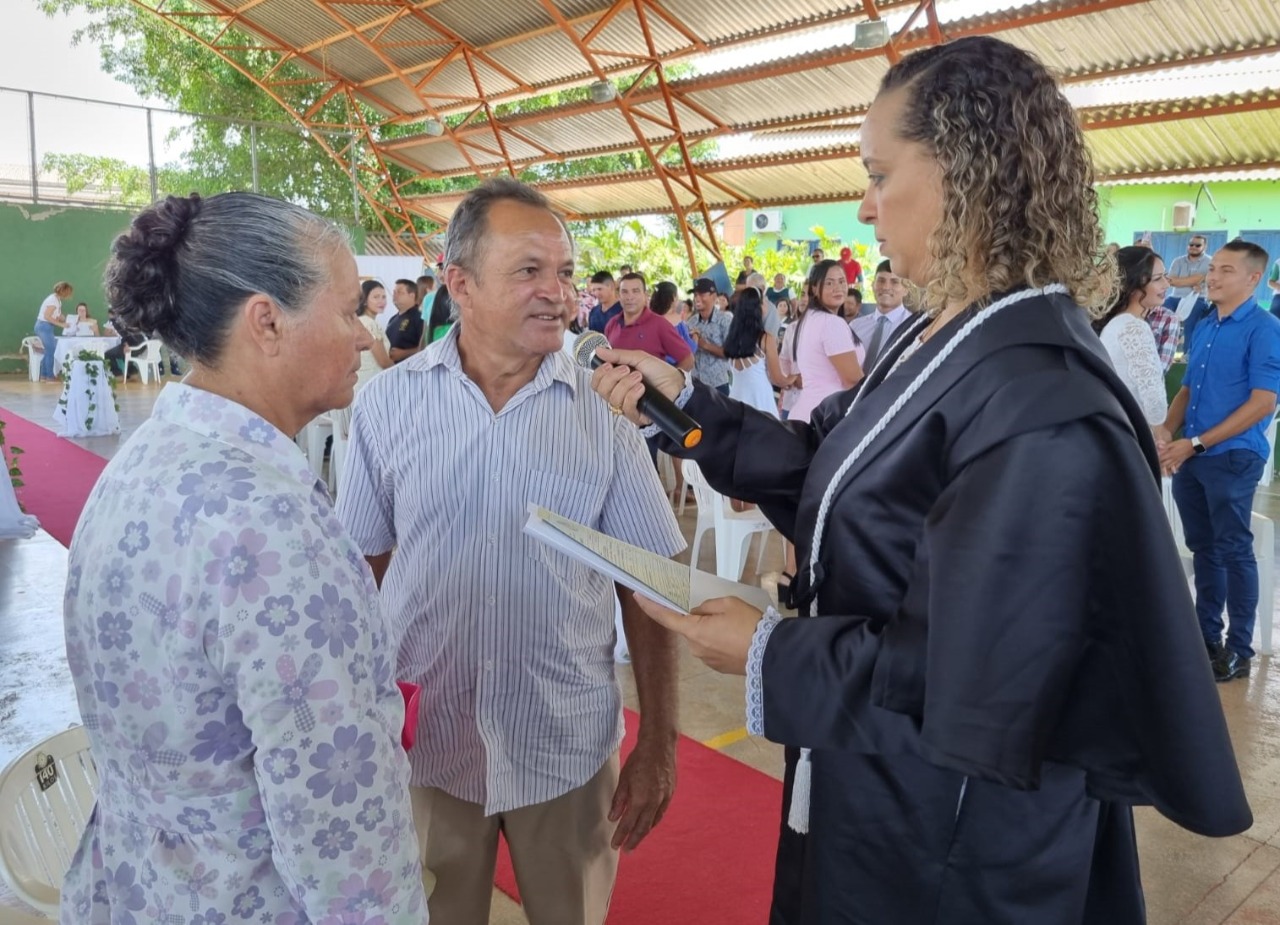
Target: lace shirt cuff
681, 400
755, 666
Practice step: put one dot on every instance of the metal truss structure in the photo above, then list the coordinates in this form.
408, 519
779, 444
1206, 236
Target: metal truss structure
446, 67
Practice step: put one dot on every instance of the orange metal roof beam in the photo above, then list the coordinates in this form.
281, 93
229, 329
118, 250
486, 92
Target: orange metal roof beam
378, 208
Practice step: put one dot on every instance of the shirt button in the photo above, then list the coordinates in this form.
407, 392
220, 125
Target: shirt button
491, 539
496, 477
492, 599
488, 666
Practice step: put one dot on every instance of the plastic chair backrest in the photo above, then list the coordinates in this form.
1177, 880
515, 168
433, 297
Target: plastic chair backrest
35, 354
706, 496
46, 798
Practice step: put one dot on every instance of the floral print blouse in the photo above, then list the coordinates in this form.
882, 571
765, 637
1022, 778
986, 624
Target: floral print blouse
233, 675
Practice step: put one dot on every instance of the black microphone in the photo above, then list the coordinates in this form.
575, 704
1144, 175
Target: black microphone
671, 420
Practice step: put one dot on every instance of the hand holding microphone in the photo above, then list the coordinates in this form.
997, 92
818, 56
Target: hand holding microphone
638, 385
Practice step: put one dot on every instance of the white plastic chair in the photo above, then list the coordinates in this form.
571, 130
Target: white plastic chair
1264, 550
35, 353
147, 359
1269, 469
40, 829
666, 473
734, 529
314, 436
337, 459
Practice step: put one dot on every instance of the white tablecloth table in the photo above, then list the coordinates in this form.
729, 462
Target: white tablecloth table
71, 346
79, 391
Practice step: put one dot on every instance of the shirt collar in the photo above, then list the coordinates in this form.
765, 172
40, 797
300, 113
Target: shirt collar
556, 367
229, 422
1246, 308
640, 318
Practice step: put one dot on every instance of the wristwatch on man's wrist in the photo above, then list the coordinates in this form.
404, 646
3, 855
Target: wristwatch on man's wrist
1198, 446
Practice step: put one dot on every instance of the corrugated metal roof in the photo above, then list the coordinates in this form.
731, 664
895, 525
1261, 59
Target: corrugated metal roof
841, 80
391, 55
1128, 142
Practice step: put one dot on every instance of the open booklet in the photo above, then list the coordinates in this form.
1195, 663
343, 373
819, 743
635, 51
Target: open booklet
664, 580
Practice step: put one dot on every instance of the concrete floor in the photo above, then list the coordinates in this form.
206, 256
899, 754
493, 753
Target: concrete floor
1189, 880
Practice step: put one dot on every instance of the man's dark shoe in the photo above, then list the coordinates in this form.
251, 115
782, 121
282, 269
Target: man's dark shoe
1229, 666
1215, 649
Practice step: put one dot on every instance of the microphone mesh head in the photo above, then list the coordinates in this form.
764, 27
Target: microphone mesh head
586, 345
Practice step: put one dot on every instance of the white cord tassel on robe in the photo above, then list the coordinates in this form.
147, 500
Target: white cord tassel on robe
802, 784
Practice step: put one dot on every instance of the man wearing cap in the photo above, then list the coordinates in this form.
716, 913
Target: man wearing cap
709, 327
852, 269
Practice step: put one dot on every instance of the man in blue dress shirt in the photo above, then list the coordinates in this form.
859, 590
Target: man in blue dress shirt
1225, 404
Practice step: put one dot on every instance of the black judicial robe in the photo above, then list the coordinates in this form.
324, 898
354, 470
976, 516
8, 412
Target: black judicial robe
1005, 657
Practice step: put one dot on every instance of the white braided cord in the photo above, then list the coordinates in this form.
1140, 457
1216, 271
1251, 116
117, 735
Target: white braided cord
798, 818
972, 325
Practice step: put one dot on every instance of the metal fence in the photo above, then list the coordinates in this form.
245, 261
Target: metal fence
73, 151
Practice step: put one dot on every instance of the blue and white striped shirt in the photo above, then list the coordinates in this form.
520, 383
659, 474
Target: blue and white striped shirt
511, 641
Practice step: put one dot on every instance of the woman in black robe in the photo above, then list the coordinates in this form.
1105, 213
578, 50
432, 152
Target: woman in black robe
1006, 657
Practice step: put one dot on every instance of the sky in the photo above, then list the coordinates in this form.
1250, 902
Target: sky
36, 53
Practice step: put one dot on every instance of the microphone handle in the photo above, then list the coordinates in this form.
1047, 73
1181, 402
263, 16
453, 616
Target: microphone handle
671, 420
664, 413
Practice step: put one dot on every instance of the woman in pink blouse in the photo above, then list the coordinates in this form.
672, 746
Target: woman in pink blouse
822, 349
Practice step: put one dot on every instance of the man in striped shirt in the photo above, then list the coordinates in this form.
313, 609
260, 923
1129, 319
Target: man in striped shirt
512, 642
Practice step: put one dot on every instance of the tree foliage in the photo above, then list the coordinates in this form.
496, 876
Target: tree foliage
160, 62
609, 245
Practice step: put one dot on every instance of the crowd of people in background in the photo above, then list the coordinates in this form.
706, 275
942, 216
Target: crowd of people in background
238, 642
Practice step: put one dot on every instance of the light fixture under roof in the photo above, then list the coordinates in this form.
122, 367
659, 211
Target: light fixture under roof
602, 91
433, 128
871, 34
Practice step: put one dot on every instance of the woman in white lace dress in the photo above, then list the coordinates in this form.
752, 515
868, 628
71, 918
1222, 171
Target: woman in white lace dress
1126, 335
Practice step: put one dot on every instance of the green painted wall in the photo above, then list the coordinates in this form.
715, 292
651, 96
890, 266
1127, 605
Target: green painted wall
40, 245
1250, 205
837, 219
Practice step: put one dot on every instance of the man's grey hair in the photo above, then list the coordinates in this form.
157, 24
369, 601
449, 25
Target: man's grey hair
470, 221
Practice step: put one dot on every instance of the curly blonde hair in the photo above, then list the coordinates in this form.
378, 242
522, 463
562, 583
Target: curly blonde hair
1019, 206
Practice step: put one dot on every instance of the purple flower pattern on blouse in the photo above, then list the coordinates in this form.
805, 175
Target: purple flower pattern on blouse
234, 676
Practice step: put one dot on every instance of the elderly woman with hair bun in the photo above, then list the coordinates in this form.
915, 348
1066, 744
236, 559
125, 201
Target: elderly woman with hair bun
233, 671
1000, 656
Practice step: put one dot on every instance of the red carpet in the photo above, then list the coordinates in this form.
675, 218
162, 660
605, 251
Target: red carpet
57, 475
710, 860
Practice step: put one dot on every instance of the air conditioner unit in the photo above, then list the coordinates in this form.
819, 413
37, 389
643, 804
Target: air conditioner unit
767, 221
1184, 216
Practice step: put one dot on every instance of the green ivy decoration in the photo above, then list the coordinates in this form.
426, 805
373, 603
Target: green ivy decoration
94, 368
11, 459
